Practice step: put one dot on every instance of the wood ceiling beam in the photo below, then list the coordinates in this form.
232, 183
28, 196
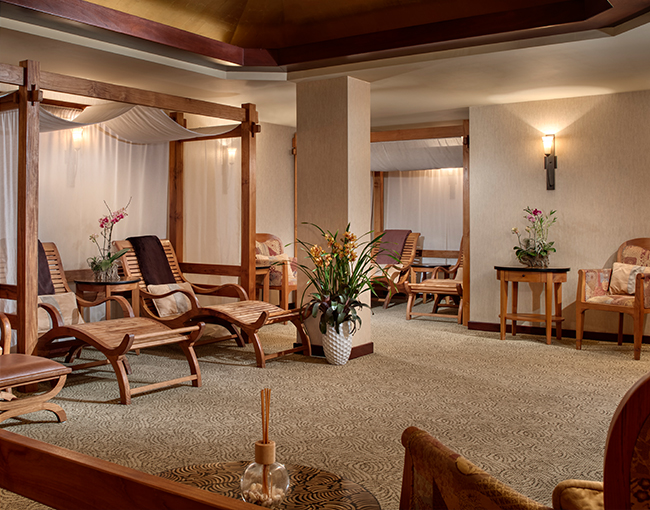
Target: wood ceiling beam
119, 22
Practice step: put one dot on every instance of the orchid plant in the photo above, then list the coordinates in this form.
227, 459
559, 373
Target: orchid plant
339, 277
105, 259
535, 244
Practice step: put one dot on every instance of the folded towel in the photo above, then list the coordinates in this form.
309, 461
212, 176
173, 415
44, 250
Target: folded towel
45, 285
392, 243
152, 260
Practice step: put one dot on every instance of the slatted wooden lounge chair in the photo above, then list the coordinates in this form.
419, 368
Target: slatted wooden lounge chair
24, 369
396, 272
243, 318
114, 338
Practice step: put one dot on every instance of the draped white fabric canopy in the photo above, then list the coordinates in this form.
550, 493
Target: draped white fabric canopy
133, 123
409, 155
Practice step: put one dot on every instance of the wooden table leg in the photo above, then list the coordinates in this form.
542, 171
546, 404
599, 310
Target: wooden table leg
548, 294
558, 310
265, 287
108, 303
135, 301
504, 306
515, 301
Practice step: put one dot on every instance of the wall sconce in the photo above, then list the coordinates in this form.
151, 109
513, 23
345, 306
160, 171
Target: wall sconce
550, 160
77, 138
232, 152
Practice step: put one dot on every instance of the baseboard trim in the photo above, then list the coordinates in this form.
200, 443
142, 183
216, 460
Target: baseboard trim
357, 350
566, 333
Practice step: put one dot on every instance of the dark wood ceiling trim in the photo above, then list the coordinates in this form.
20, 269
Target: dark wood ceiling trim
561, 13
119, 22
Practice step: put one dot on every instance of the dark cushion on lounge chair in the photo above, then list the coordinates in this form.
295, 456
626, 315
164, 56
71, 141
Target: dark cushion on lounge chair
45, 285
152, 260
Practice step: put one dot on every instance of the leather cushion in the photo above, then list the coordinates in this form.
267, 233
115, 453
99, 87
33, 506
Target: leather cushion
16, 369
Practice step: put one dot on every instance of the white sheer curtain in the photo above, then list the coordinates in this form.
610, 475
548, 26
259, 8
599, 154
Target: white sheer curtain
8, 198
212, 191
76, 178
429, 202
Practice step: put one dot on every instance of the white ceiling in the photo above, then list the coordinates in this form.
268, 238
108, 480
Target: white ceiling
411, 91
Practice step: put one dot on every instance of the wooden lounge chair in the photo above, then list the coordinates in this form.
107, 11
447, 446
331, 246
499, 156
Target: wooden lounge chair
24, 369
112, 338
396, 264
243, 318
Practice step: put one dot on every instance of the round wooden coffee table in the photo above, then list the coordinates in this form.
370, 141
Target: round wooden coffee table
311, 488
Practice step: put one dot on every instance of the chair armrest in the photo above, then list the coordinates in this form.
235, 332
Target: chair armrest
578, 495
5, 334
592, 283
226, 290
449, 273
120, 300
642, 289
55, 316
194, 302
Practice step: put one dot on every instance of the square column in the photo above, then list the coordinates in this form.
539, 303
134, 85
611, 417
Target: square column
334, 179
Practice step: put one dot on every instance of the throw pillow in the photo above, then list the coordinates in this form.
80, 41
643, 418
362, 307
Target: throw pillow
175, 304
623, 279
66, 304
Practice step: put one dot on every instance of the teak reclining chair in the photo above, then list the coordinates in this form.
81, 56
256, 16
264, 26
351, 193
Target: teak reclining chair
24, 369
114, 338
243, 318
396, 272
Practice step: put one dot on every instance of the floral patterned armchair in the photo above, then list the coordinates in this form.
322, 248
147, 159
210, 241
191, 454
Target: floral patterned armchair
625, 289
283, 273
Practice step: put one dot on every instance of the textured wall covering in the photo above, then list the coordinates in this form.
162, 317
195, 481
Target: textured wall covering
601, 195
275, 182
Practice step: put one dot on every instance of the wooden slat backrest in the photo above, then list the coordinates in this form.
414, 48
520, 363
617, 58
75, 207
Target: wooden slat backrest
131, 267
56, 268
68, 480
410, 246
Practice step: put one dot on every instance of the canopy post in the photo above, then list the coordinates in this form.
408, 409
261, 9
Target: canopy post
175, 204
30, 96
250, 127
378, 202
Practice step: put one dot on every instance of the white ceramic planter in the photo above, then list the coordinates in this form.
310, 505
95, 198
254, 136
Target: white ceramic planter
337, 346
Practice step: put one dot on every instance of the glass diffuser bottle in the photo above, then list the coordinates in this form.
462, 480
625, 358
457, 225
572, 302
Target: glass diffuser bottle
265, 482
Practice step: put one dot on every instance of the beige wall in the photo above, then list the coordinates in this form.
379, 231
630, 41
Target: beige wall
275, 182
601, 194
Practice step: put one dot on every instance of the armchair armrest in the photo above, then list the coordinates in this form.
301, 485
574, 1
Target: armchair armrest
226, 290
194, 302
449, 273
578, 495
643, 289
127, 310
592, 283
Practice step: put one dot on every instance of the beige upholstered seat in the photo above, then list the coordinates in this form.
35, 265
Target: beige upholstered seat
624, 289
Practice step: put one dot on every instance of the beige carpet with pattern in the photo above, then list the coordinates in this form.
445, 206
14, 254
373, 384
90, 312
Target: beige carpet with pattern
529, 413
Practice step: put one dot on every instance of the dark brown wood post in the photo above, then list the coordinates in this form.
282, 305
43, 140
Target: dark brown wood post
250, 127
378, 202
175, 207
30, 96
466, 241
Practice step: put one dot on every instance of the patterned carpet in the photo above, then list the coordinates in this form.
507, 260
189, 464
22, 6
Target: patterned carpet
528, 413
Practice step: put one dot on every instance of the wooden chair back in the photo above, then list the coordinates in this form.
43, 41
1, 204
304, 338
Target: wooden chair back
56, 268
263, 238
641, 242
131, 269
628, 441
410, 247
68, 480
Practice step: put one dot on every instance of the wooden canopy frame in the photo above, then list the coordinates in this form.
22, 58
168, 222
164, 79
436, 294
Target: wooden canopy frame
31, 81
378, 192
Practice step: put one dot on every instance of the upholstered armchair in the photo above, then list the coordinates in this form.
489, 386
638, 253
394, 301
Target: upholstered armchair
624, 289
283, 273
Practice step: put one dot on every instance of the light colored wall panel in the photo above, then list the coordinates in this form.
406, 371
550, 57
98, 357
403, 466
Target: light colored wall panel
601, 195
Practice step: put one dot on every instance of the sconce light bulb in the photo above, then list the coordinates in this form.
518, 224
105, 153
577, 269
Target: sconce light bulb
77, 137
548, 141
232, 152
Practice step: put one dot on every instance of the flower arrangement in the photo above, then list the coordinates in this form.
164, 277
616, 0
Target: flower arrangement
339, 277
533, 250
105, 260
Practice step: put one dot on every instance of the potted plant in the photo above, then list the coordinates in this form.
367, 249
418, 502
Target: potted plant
104, 265
533, 250
340, 274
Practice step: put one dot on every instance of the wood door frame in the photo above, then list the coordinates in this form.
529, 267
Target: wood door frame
378, 187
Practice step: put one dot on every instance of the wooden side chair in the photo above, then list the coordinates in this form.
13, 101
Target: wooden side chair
394, 254
63, 332
623, 289
174, 302
283, 273
449, 287
24, 369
